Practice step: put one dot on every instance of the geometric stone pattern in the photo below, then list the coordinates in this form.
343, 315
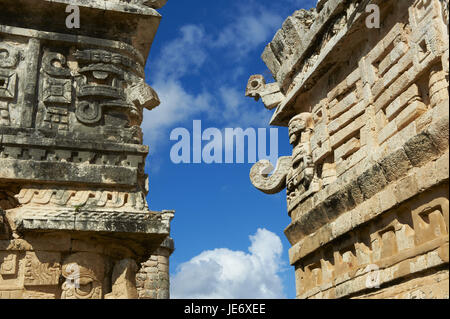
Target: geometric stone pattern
376, 150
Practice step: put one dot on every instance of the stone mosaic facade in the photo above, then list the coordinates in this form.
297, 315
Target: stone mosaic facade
368, 117
74, 220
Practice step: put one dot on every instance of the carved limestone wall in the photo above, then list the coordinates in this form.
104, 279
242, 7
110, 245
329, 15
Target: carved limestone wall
74, 219
371, 169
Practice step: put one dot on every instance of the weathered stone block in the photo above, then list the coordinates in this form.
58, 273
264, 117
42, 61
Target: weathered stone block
395, 165
372, 181
420, 149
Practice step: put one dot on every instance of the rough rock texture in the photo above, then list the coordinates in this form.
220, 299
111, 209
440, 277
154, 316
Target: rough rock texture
368, 117
74, 220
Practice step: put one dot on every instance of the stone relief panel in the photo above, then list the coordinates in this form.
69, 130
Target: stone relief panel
295, 172
84, 274
341, 138
109, 80
86, 91
408, 239
9, 59
56, 95
71, 156
101, 199
153, 278
11, 283
81, 275
406, 74
8, 264
42, 268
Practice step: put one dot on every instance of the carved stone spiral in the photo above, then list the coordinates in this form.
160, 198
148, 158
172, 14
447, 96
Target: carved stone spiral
275, 183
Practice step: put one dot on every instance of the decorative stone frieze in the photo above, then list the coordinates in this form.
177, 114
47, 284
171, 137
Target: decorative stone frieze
74, 219
367, 182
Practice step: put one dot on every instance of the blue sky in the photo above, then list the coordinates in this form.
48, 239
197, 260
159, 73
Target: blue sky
228, 236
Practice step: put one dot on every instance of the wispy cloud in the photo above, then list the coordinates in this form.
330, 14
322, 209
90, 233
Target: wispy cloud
249, 30
186, 53
220, 100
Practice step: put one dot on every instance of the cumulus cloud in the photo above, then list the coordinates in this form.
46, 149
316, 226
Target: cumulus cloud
226, 274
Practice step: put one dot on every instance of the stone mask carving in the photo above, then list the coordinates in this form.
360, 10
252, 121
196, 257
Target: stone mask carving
296, 171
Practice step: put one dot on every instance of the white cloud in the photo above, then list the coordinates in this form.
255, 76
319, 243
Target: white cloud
177, 106
187, 55
183, 54
249, 30
226, 274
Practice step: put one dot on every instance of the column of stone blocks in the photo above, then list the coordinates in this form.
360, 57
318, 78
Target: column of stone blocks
153, 279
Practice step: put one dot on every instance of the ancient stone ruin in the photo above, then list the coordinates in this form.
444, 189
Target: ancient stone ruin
74, 220
368, 114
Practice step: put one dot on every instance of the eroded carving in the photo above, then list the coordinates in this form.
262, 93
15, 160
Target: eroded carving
9, 56
8, 263
82, 198
84, 274
42, 268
